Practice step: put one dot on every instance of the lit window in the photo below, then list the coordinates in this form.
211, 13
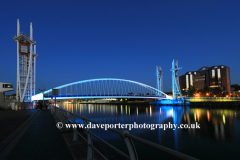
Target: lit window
213, 73
7, 86
187, 85
219, 73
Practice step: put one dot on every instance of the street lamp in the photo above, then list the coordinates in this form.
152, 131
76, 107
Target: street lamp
43, 95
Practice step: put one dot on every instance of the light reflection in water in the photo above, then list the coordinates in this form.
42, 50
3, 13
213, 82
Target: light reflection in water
126, 109
217, 124
198, 115
224, 119
208, 115
121, 110
150, 111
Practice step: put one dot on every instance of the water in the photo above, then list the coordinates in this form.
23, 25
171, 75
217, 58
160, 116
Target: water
217, 138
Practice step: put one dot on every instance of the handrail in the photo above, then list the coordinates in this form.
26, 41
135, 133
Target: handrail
61, 115
161, 148
111, 146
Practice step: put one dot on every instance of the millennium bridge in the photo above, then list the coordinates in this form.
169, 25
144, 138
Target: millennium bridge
104, 88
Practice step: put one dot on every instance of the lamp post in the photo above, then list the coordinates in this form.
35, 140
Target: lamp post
55, 93
43, 95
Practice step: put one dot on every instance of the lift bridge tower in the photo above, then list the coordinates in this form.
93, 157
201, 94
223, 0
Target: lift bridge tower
159, 74
175, 81
26, 65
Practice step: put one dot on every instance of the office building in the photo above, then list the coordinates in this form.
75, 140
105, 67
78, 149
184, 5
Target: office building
216, 77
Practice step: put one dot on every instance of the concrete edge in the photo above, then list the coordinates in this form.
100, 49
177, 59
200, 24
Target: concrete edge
8, 143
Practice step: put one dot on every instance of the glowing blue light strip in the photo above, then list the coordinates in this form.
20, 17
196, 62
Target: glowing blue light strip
92, 97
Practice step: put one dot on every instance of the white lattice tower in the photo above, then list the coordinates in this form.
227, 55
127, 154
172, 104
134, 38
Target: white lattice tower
26, 65
175, 81
159, 74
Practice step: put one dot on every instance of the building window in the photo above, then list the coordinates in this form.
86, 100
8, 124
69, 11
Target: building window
7, 86
191, 80
213, 73
219, 73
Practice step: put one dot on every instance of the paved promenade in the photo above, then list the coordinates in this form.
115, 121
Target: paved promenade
10, 120
41, 141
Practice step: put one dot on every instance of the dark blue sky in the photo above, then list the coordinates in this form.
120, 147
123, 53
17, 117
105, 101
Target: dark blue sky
79, 40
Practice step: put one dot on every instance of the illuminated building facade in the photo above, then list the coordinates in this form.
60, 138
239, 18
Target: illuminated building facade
216, 77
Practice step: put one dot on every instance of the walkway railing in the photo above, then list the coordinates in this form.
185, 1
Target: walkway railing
67, 117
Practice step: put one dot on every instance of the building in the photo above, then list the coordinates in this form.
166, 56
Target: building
216, 77
5, 87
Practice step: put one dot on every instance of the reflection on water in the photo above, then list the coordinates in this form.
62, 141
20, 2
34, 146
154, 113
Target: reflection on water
218, 133
217, 124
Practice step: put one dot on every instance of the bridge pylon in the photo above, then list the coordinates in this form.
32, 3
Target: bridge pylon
175, 81
159, 74
26, 65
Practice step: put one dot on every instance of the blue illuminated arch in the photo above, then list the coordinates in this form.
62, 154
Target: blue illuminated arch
106, 79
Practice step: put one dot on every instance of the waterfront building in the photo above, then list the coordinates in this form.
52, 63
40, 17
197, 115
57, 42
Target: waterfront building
217, 78
5, 87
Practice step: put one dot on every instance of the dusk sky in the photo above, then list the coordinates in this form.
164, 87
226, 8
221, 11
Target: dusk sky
126, 39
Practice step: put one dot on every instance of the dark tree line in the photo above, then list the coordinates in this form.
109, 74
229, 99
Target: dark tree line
236, 87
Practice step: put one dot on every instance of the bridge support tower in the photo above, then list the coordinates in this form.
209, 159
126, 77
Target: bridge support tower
159, 74
175, 81
26, 65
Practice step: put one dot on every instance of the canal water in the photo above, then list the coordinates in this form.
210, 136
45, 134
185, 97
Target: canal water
217, 138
